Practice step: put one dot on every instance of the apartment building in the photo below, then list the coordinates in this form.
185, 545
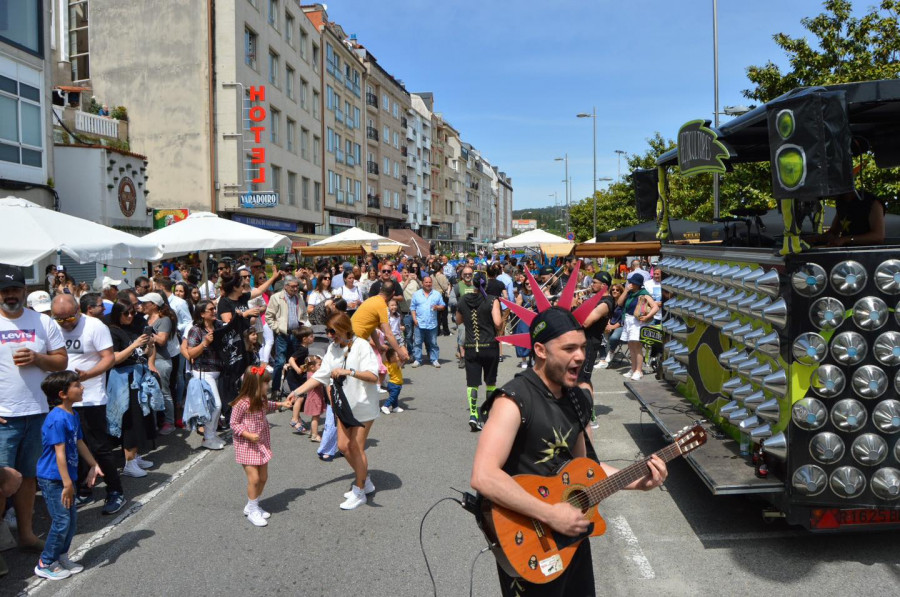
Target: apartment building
504, 205
194, 84
26, 130
387, 102
343, 81
448, 189
418, 167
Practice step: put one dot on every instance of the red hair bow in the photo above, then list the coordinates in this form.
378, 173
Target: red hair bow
257, 370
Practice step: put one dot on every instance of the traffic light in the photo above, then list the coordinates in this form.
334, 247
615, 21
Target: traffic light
809, 145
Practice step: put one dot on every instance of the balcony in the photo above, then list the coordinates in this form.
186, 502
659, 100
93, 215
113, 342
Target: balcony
425, 164
372, 167
339, 115
404, 151
404, 209
372, 133
403, 122
404, 179
411, 189
91, 124
373, 202
411, 161
410, 134
372, 100
426, 142
340, 195
351, 161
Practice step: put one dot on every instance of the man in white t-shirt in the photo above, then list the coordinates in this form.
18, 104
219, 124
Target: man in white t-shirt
90, 349
30, 347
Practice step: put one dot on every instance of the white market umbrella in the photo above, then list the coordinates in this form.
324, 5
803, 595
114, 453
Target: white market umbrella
356, 236
203, 231
532, 239
32, 232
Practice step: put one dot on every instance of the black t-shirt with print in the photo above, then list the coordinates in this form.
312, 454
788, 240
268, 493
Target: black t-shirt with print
122, 339
550, 426
596, 330
233, 306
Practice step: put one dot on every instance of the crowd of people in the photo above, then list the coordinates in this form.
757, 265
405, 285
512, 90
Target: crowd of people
126, 365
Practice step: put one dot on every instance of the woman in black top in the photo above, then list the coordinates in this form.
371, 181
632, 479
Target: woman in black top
480, 313
132, 347
198, 347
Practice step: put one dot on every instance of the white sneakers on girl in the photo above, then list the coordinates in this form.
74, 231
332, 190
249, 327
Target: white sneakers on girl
368, 488
72, 567
356, 499
248, 510
256, 517
144, 464
132, 469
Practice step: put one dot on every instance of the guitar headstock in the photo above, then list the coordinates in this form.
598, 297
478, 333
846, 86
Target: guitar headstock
690, 438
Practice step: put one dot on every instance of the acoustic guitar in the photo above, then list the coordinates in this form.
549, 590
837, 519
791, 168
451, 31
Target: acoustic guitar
526, 548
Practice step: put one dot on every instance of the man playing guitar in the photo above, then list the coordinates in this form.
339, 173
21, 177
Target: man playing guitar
537, 423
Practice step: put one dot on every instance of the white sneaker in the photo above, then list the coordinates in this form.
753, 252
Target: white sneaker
72, 567
628, 375
256, 517
436, 364
356, 499
131, 469
369, 488
54, 571
212, 444
144, 464
637, 376
416, 364
382, 390
396, 410
247, 512
385, 410
603, 364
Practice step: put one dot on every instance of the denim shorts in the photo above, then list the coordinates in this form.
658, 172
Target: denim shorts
20, 443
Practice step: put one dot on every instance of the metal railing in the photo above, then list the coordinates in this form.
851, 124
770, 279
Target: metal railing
372, 167
372, 133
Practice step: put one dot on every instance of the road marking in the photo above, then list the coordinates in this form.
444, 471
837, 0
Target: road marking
39, 583
751, 536
601, 393
634, 551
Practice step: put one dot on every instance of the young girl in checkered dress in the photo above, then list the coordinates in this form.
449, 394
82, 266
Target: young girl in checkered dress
252, 442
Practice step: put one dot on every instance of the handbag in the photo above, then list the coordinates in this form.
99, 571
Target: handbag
339, 403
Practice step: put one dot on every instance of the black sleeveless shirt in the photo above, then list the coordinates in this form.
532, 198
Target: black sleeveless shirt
550, 426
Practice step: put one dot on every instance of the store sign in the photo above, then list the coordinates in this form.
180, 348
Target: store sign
339, 221
251, 200
257, 115
167, 217
524, 225
699, 150
265, 223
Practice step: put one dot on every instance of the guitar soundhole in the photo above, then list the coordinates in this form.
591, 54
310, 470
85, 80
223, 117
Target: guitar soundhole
578, 498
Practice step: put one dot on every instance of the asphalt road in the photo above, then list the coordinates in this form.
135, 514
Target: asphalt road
183, 531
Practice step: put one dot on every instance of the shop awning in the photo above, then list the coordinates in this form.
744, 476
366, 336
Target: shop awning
618, 249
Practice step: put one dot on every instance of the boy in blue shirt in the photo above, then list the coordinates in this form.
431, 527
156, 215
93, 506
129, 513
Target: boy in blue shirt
57, 471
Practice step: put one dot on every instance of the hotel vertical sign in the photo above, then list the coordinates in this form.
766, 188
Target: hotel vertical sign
256, 118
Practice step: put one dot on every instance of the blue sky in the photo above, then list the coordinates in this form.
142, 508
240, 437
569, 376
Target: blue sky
511, 75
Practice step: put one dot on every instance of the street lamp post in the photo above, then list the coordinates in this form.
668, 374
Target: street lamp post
619, 154
565, 159
716, 97
593, 115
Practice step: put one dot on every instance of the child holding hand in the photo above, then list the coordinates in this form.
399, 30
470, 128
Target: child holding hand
252, 441
395, 382
57, 470
314, 405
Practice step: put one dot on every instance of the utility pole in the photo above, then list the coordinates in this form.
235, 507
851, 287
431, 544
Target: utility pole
716, 97
565, 159
619, 154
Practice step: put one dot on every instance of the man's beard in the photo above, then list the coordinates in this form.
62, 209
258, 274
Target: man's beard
10, 308
556, 373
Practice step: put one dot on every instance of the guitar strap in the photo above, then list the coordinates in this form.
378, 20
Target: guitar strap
583, 421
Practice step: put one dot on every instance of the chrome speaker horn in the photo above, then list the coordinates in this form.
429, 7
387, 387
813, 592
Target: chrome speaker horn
736, 298
809, 480
721, 318
885, 483
869, 449
869, 381
848, 277
751, 422
886, 416
826, 313
827, 381
680, 374
738, 415
728, 328
722, 299
680, 331
728, 354
887, 348
759, 373
887, 276
809, 280
809, 414
751, 338
769, 283
847, 481
736, 360
776, 383
810, 348
776, 445
776, 313
738, 334
770, 411
848, 415
729, 408
849, 348
730, 385
762, 432
747, 366
737, 278
756, 309
742, 392
826, 447
743, 305
726, 275
870, 313
749, 281
752, 401
681, 354
770, 344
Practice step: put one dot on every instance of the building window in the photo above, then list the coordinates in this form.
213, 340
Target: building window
315, 57
250, 44
385, 102
350, 197
357, 117
304, 186
289, 81
21, 122
273, 68
290, 132
330, 182
395, 110
387, 166
396, 170
273, 13
349, 115
357, 152
289, 28
304, 144
357, 185
338, 187
304, 40
20, 25
316, 100
304, 91
275, 125
329, 140
317, 150
79, 55
348, 147
317, 196
387, 136
397, 140
396, 200
292, 188
329, 98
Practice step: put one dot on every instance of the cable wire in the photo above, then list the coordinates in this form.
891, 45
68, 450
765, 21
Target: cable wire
422, 541
472, 571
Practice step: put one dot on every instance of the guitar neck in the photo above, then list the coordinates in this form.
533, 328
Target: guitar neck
601, 490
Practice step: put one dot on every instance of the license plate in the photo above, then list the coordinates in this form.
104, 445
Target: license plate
866, 516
